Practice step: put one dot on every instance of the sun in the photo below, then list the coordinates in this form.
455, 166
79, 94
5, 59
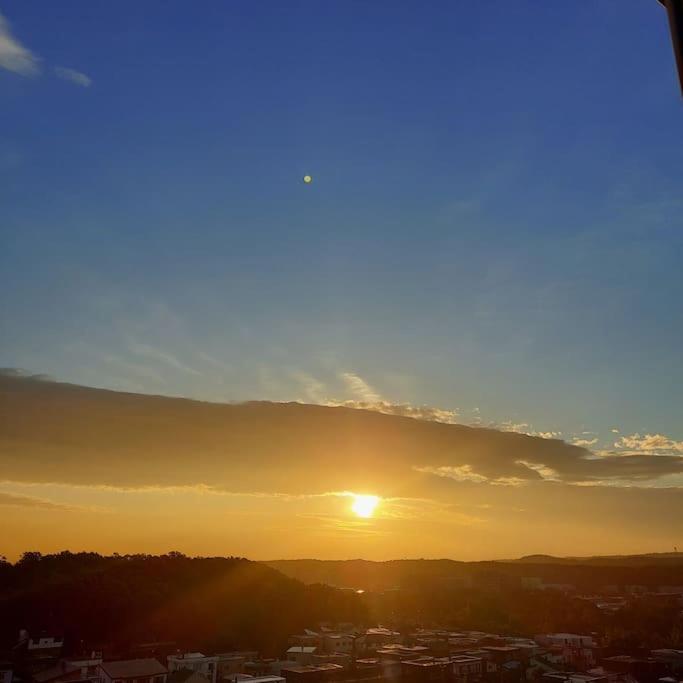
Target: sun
364, 506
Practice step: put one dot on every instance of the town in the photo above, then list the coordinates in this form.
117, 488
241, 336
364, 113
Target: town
347, 652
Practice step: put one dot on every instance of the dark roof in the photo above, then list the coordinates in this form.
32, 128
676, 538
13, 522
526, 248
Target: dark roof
133, 668
59, 671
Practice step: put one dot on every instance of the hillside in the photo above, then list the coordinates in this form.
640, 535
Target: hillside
114, 602
588, 573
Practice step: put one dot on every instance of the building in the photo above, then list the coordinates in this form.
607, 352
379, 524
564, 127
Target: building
643, 669
466, 668
83, 670
195, 661
425, 670
573, 677
302, 655
339, 642
133, 671
577, 650
313, 674
230, 664
40, 652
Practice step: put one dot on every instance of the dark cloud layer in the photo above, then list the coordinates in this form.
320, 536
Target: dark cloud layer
53, 432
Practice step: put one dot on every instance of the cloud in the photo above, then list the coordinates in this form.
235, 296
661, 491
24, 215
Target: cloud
428, 413
525, 428
359, 387
546, 472
88, 436
585, 443
29, 501
216, 362
73, 76
13, 55
25, 374
160, 356
367, 398
314, 389
464, 473
649, 444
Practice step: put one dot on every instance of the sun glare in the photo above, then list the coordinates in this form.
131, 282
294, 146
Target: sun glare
364, 506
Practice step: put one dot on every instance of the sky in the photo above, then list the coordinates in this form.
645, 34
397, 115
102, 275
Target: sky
493, 234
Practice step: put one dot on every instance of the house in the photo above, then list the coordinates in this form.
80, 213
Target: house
425, 670
232, 663
133, 671
83, 670
340, 658
301, 654
573, 677
40, 652
466, 668
194, 661
338, 642
313, 674
577, 650
45, 646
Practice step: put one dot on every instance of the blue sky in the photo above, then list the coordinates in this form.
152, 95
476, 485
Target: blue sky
494, 225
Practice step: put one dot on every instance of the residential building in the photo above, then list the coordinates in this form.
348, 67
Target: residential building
195, 661
466, 668
302, 655
147, 670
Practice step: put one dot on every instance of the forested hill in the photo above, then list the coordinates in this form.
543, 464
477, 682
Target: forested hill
588, 573
114, 602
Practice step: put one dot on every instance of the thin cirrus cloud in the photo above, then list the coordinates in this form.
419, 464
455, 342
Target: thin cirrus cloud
17, 58
367, 398
76, 77
15, 500
160, 356
357, 386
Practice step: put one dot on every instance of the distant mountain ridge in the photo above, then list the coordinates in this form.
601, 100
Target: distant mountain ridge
589, 573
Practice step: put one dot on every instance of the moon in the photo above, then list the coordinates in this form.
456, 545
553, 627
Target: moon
364, 506
308, 179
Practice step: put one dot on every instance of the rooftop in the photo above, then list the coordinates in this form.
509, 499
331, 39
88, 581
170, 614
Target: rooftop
305, 649
133, 668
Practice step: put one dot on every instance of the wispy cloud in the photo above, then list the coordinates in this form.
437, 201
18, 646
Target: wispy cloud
429, 413
13, 55
357, 386
216, 362
29, 501
77, 77
313, 388
465, 473
161, 356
